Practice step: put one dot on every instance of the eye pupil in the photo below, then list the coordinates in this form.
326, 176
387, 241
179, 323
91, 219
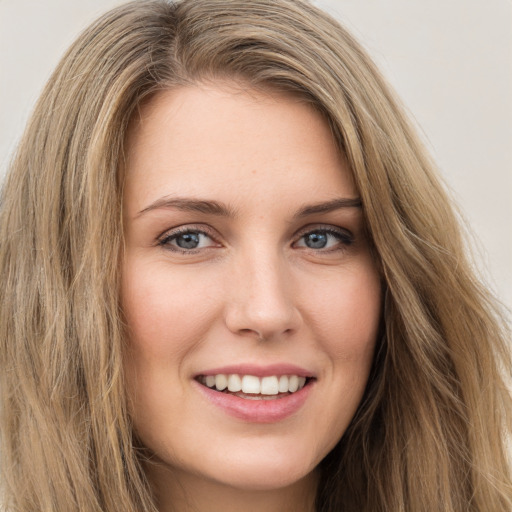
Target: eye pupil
188, 240
316, 240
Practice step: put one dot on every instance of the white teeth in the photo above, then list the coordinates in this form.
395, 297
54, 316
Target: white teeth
269, 386
234, 383
293, 383
251, 385
221, 382
283, 384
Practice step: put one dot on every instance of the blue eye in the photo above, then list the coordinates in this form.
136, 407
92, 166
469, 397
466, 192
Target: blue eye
187, 240
324, 239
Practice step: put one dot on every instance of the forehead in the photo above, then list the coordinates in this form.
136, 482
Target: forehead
232, 143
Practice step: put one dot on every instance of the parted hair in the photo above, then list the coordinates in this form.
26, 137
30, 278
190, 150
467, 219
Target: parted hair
430, 433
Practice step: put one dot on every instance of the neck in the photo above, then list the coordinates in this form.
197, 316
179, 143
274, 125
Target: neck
179, 492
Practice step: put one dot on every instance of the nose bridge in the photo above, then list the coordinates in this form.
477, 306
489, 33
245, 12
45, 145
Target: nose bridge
261, 301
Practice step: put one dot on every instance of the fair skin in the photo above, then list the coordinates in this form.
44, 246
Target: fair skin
246, 255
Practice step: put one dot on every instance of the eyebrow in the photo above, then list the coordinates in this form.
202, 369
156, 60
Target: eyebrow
329, 206
211, 207
193, 205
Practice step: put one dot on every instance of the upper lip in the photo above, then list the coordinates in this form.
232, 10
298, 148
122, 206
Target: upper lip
259, 370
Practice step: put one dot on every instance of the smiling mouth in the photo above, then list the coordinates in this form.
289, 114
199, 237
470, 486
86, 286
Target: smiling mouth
251, 387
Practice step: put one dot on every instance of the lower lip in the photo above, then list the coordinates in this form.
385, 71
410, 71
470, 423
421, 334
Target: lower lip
258, 411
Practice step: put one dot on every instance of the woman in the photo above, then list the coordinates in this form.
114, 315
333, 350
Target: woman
216, 196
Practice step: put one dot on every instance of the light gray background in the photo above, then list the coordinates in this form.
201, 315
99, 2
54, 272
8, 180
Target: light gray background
449, 60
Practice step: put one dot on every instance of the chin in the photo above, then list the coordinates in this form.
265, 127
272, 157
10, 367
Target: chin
267, 479
264, 472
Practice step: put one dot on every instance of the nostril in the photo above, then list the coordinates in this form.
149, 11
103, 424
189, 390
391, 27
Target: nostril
262, 315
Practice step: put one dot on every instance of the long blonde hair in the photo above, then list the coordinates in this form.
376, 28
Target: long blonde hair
430, 433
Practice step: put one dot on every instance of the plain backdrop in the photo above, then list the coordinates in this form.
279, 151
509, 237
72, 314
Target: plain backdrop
449, 60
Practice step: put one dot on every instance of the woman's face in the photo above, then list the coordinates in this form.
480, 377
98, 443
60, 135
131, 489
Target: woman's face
246, 264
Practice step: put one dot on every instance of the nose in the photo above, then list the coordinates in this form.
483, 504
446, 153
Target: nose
262, 303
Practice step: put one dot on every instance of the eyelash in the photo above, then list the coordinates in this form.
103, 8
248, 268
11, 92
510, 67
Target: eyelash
165, 240
344, 237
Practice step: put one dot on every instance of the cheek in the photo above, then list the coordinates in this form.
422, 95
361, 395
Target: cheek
166, 311
167, 315
346, 314
348, 326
